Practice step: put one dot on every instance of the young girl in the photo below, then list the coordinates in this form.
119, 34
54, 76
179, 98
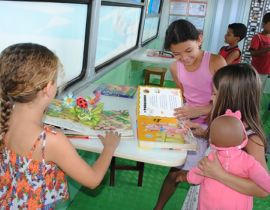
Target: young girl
234, 86
192, 72
228, 147
33, 158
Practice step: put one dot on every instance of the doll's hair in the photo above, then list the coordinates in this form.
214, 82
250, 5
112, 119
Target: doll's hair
180, 31
25, 69
239, 88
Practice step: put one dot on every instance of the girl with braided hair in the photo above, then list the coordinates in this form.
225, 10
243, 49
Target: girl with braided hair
33, 158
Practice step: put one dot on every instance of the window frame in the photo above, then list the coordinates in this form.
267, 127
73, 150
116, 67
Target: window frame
145, 42
99, 67
88, 3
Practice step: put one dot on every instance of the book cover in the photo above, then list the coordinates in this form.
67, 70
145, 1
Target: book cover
89, 120
117, 90
156, 125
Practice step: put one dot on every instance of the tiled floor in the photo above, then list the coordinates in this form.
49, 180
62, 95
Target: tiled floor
125, 195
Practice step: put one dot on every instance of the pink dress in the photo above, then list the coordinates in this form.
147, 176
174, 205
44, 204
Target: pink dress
214, 195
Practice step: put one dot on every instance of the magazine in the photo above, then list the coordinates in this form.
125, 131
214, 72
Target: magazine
116, 90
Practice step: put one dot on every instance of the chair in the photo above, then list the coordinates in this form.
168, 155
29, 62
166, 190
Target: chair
113, 167
154, 71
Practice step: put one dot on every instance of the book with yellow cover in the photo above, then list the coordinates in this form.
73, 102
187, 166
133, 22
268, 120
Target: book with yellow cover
157, 126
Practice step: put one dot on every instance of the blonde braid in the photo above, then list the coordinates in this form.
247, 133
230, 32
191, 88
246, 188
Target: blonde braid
6, 108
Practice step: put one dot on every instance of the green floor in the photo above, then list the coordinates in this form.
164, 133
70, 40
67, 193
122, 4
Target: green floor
126, 195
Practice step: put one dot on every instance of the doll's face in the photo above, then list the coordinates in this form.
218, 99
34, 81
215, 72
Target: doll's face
226, 131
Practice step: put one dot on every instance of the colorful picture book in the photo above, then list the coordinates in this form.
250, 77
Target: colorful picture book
156, 124
117, 90
76, 116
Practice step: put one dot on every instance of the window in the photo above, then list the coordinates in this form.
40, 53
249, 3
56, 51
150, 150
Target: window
59, 26
117, 32
151, 22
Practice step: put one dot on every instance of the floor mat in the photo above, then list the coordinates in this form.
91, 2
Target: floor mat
126, 195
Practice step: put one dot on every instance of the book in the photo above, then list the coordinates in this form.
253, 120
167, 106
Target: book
88, 121
157, 126
117, 90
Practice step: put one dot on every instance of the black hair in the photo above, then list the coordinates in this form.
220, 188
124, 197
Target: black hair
266, 18
239, 30
180, 31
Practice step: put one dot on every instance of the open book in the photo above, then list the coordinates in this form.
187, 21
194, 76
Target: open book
157, 126
116, 90
91, 121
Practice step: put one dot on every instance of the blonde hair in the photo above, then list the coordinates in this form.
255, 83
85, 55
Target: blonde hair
25, 69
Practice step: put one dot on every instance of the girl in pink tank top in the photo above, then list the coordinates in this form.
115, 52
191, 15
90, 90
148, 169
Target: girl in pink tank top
197, 85
192, 72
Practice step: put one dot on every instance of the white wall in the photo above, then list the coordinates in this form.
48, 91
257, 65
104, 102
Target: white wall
220, 13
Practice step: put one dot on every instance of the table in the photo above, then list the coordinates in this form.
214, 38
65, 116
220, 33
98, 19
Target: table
141, 57
128, 148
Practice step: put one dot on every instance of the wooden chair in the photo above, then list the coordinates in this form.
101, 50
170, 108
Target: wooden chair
113, 167
154, 71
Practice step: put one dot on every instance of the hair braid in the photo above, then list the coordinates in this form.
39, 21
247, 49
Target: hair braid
6, 108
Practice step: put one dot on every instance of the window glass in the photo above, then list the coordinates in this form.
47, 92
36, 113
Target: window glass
118, 31
150, 28
153, 6
58, 26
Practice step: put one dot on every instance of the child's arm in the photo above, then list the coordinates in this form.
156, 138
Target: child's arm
216, 62
259, 52
257, 173
173, 70
232, 56
192, 112
255, 49
60, 151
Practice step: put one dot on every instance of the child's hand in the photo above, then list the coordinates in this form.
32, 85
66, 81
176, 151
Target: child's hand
196, 128
110, 140
186, 112
181, 176
211, 168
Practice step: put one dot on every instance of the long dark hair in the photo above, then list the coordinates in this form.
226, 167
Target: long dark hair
180, 31
239, 88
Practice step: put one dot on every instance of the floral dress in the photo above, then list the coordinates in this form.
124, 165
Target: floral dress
30, 184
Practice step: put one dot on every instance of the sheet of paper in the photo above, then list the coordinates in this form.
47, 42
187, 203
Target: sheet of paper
159, 101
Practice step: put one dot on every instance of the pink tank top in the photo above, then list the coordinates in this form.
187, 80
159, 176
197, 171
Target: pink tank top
197, 85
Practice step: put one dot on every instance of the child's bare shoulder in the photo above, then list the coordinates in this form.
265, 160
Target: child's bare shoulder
216, 62
173, 66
